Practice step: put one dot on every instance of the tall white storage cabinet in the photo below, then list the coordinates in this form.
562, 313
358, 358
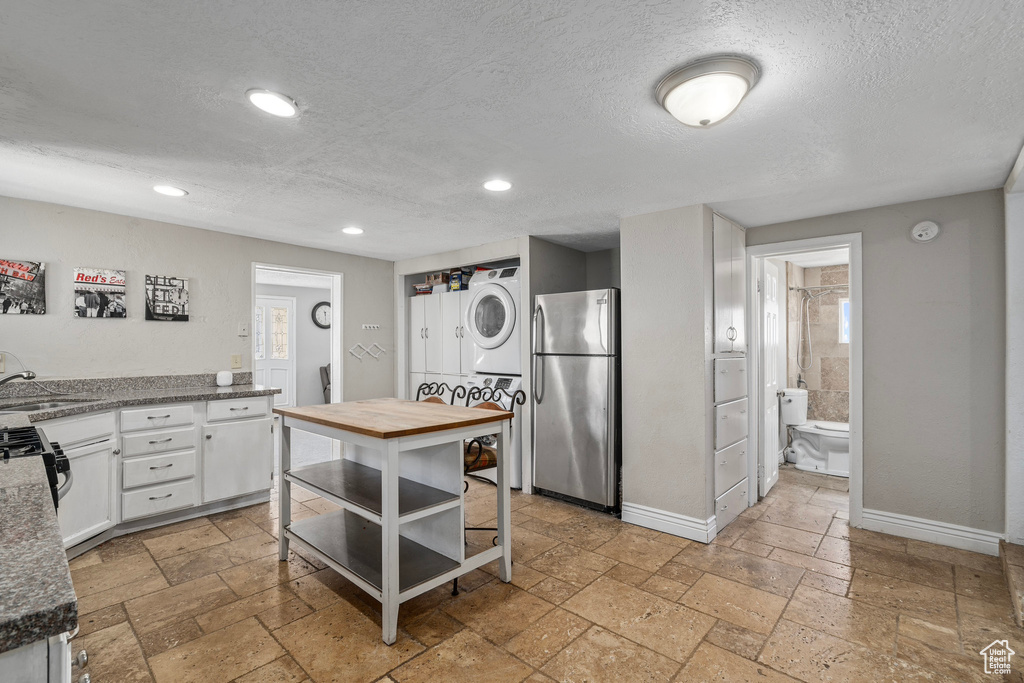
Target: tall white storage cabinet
440, 349
425, 334
730, 371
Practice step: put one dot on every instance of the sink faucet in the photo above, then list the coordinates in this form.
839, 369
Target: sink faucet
26, 375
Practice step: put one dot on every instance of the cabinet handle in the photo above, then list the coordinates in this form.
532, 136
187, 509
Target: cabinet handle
162, 467
456, 331
242, 408
161, 497
158, 417
462, 331
724, 508
170, 438
730, 333
421, 333
117, 451
426, 333
742, 370
209, 436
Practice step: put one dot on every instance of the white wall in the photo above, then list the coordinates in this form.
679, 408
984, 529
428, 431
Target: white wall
666, 332
219, 268
934, 341
603, 269
312, 343
1015, 367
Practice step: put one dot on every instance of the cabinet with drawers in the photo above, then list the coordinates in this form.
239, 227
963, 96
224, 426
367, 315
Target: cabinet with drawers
153, 453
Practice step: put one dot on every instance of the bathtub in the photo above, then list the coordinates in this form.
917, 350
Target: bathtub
821, 446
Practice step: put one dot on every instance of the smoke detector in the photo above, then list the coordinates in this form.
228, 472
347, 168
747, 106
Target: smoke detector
925, 231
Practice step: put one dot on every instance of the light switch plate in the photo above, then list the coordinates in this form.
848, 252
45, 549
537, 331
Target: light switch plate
243, 329
236, 361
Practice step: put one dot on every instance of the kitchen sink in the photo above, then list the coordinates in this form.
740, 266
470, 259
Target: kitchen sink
33, 407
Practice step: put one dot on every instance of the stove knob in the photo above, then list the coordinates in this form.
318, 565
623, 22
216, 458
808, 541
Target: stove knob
81, 659
85, 678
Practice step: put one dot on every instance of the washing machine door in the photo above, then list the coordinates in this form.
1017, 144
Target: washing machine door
490, 316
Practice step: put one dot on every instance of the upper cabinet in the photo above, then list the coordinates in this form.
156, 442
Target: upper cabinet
730, 286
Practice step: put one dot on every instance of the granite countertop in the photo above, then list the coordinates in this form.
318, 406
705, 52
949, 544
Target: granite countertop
37, 599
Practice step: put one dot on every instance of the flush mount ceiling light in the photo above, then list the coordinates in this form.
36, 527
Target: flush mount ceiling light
170, 190
497, 185
352, 230
273, 102
708, 90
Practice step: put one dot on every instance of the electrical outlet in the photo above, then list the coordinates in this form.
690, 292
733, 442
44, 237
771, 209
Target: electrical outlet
236, 361
370, 327
243, 329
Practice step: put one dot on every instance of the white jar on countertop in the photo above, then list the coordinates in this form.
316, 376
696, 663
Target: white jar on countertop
225, 378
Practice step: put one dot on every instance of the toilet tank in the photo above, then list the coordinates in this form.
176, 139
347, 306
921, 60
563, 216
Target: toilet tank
794, 406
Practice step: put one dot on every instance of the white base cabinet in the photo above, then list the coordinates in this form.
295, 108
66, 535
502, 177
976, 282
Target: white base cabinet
238, 458
89, 506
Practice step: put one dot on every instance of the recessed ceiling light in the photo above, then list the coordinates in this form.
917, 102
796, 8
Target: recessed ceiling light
497, 185
273, 102
352, 230
170, 190
707, 91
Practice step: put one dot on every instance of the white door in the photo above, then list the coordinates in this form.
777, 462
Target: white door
238, 458
738, 259
466, 340
88, 507
722, 250
451, 343
433, 331
274, 327
771, 380
417, 335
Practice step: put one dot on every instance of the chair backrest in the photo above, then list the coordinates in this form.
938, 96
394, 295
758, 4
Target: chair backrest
492, 396
438, 390
488, 405
434, 399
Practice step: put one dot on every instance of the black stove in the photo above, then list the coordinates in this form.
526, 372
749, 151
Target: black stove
27, 442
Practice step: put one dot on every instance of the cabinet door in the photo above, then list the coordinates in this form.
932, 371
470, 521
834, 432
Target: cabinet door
739, 287
465, 340
417, 341
434, 331
238, 458
722, 269
415, 380
88, 507
451, 344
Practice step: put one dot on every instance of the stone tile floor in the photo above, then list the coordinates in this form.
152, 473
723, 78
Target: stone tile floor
788, 591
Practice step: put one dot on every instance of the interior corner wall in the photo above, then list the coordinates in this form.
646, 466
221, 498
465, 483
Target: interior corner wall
664, 351
312, 343
554, 268
934, 322
219, 268
603, 269
1014, 204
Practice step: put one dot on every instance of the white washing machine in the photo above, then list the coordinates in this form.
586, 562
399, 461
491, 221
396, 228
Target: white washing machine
493, 321
510, 384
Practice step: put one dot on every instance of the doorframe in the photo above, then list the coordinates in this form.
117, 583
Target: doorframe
756, 254
337, 318
293, 361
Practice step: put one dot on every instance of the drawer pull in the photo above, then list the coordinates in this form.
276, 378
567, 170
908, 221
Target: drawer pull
161, 497
158, 417
242, 408
724, 507
162, 467
167, 440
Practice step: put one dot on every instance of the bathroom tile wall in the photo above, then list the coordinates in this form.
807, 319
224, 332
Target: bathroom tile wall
828, 378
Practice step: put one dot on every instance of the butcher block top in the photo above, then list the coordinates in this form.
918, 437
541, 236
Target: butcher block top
391, 418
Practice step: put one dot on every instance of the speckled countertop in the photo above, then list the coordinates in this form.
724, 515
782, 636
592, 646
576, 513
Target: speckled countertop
37, 599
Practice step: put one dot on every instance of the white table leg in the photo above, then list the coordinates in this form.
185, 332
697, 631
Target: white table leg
284, 491
504, 503
389, 546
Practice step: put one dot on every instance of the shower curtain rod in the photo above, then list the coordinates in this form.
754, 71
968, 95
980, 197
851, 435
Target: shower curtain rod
798, 289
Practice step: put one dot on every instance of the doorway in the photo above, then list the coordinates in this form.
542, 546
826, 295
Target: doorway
799, 352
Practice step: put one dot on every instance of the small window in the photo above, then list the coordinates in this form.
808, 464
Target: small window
258, 330
844, 321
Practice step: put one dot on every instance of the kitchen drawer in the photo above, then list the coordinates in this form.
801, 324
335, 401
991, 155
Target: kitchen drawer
136, 420
79, 430
730, 379
156, 499
730, 504
730, 423
236, 408
154, 469
161, 441
730, 466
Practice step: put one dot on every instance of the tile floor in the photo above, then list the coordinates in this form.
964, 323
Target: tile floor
788, 591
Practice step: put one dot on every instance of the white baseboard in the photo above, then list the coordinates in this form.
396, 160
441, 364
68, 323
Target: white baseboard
702, 530
929, 530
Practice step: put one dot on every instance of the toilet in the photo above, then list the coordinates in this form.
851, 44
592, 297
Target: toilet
816, 446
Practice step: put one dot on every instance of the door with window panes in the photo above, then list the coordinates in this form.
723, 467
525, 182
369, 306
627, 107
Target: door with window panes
274, 346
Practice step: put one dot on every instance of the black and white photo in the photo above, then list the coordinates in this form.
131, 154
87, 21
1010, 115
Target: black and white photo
166, 298
100, 293
22, 287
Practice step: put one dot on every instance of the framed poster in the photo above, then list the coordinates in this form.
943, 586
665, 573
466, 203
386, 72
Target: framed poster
100, 293
166, 298
22, 287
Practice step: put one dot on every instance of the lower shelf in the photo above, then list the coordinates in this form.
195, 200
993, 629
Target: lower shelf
355, 543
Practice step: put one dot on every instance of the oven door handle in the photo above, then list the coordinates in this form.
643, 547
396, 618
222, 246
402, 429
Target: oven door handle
66, 486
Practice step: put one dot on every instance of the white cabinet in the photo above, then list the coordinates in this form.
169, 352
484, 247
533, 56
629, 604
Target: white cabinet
456, 345
729, 244
238, 458
426, 331
89, 506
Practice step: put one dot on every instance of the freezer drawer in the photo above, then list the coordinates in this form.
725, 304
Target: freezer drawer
730, 379
730, 466
730, 423
729, 505
574, 427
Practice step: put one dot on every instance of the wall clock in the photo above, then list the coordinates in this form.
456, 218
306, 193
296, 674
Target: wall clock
322, 315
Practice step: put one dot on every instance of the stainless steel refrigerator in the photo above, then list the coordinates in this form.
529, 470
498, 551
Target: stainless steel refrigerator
576, 423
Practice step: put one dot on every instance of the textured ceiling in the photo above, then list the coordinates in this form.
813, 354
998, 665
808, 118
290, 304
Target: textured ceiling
408, 107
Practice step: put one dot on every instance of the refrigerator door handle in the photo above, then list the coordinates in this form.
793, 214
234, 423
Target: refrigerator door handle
538, 321
538, 394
